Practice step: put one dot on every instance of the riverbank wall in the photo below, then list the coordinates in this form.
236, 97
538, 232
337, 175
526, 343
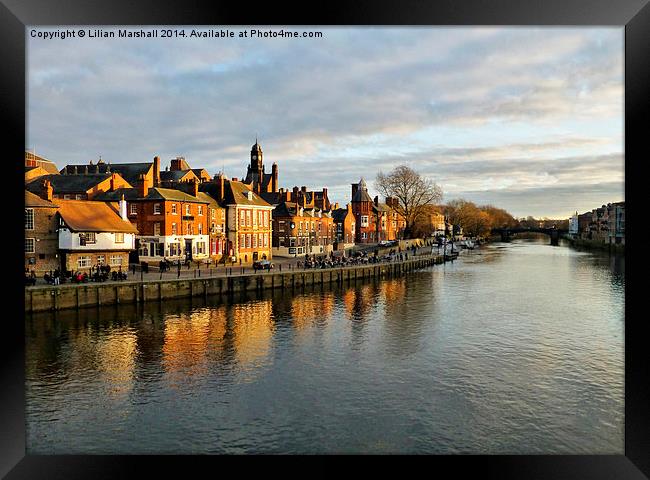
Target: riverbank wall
595, 245
61, 297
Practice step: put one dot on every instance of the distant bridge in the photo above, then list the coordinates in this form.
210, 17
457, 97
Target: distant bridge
554, 233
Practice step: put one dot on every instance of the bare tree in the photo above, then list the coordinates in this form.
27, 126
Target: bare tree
412, 191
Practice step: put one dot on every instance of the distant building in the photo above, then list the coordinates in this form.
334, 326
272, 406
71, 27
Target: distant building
32, 160
299, 230
131, 172
364, 214
616, 223
574, 225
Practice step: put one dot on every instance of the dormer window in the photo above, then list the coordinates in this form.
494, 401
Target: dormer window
249, 195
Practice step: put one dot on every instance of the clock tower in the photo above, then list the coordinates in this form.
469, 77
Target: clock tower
256, 158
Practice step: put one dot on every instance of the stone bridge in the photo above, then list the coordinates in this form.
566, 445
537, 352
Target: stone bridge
506, 233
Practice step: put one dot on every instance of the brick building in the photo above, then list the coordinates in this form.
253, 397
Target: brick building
344, 226
298, 230
364, 214
248, 218
172, 224
41, 237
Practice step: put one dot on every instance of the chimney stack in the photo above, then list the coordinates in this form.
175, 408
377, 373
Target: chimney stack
156, 171
376, 199
143, 186
47, 190
274, 177
195, 188
123, 209
113, 177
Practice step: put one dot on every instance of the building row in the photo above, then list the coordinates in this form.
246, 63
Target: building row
115, 214
605, 224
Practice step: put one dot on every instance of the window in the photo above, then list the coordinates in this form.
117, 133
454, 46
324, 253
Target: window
90, 237
174, 249
266, 239
312, 226
248, 218
339, 227
144, 249
248, 240
200, 207
242, 241
119, 237
363, 235
200, 229
134, 209
156, 229
242, 218
30, 245
157, 249
67, 197
156, 209
200, 248
174, 232
266, 219
101, 259
254, 240
116, 260
174, 209
213, 213
83, 261
78, 196
29, 219
190, 229
364, 221
188, 210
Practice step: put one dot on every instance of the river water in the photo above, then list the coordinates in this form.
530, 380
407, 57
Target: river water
515, 348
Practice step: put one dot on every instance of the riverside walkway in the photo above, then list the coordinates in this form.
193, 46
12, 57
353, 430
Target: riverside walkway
158, 286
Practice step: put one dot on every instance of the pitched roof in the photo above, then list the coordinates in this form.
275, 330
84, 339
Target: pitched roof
129, 193
199, 171
69, 183
339, 214
362, 195
208, 199
130, 171
92, 216
236, 193
272, 198
176, 175
172, 194
32, 200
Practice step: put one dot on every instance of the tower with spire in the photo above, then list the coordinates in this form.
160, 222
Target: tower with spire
256, 174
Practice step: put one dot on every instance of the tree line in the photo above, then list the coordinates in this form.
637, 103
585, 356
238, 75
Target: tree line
420, 198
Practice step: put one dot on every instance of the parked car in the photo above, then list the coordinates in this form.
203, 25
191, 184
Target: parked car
262, 265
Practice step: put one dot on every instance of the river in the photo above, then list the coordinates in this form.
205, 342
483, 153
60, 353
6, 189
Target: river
514, 348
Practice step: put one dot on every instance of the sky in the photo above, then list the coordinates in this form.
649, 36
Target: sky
526, 119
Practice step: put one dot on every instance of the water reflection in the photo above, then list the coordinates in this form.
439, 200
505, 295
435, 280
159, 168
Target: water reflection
515, 348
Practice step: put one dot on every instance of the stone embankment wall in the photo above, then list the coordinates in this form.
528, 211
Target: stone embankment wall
45, 298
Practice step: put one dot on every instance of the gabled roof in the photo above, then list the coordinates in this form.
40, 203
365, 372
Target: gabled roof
68, 183
236, 193
32, 200
92, 216
382, 207
199, 171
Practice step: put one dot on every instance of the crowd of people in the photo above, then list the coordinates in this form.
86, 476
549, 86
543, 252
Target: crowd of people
356, 258
97, 273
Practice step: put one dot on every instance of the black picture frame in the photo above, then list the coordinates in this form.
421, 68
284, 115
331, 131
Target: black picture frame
634, 15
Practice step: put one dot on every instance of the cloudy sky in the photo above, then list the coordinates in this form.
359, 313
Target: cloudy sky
530, 120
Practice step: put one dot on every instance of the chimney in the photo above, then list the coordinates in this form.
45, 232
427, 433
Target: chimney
234, 179
156, 171
294, 196
221, 185
376, 199
47, 190
194, 190
113, 177
143, 186
336, 206
303, 189
274, 177
123, 214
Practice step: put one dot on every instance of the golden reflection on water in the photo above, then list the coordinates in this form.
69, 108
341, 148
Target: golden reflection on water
252, 332
308, 310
